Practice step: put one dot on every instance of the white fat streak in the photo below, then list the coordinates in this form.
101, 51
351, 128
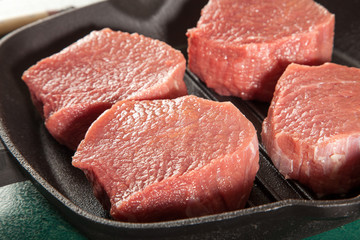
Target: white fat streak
334, 155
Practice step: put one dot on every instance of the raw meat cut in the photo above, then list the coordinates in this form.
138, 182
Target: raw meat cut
154, 160
73, 87
241, 48
312, 131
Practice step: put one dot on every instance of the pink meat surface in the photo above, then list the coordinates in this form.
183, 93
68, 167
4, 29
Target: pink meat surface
73, 87
167, 159
312, 131
241, 48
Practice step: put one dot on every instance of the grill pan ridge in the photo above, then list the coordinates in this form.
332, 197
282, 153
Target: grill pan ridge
277, 208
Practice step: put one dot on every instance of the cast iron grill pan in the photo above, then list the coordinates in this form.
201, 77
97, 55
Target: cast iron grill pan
277, 208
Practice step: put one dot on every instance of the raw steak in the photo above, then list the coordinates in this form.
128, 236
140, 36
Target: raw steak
312, 131
166, 159
73, 87
241, 48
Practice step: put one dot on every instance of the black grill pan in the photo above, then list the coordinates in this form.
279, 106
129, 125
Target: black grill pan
277, 208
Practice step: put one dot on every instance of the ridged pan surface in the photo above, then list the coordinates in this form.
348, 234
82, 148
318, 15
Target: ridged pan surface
277, 208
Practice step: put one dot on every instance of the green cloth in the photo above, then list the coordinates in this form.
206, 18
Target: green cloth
26, 214
349, 231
